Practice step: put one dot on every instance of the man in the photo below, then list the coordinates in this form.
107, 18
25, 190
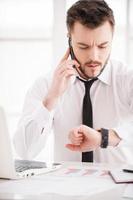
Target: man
63, 101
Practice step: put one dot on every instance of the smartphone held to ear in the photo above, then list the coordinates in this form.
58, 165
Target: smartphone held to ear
71, 50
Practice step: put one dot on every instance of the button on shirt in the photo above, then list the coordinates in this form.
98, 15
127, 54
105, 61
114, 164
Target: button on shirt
112, 102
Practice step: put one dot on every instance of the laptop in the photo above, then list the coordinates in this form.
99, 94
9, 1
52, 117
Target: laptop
15, 169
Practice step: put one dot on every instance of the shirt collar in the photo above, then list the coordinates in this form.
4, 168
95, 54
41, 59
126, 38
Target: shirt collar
105, 76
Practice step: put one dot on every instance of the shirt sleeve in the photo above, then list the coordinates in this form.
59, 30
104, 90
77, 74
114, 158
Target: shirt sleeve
35, 124
125, 132
125, 129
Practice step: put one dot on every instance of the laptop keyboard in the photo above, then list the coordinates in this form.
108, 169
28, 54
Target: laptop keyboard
22, 165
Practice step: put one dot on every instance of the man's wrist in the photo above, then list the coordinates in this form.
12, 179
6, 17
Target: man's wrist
114, 139
108, 138
104, 138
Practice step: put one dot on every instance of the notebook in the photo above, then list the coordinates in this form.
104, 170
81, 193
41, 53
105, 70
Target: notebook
120, 176
15, 169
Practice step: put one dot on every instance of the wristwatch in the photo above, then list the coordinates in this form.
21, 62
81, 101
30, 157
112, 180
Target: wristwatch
105, 137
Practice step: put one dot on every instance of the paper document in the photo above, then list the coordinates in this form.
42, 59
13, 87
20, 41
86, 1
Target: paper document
81, 172
69, 181
119, 176
63, 186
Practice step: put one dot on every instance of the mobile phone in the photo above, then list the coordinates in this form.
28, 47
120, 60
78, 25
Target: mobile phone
71, 50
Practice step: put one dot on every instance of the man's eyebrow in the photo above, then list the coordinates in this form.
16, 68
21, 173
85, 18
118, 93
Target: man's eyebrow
83, 44
104, 43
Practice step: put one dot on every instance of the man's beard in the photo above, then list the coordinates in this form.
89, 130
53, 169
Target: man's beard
81, 70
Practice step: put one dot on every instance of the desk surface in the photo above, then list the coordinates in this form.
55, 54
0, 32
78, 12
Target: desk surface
74, 180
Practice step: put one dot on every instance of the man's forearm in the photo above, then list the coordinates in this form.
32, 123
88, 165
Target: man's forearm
114, 139
49, 102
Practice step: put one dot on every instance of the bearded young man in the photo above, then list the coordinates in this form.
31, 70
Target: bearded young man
63, 102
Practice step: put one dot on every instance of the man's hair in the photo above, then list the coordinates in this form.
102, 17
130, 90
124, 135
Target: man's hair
90, 13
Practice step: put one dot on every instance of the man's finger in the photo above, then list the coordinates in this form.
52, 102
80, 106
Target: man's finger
73, 147
65, 57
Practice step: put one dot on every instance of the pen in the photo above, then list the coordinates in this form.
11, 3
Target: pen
128, 170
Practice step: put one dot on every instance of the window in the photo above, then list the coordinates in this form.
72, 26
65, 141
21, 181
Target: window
25, 47
130, 33
25, 50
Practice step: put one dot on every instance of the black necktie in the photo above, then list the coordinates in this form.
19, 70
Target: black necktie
87, 116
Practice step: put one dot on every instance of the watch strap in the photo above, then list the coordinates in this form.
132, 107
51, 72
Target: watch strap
104, 138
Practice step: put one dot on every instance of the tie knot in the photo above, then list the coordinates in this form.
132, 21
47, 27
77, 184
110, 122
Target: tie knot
89, 83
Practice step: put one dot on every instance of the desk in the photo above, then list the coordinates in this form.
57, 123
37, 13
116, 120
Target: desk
75, 186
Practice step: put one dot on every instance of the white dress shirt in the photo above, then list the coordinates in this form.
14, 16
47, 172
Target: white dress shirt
112, 102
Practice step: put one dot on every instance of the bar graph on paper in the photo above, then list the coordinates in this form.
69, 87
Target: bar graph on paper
79, 172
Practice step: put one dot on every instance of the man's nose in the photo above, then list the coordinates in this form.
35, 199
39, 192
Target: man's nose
93, 54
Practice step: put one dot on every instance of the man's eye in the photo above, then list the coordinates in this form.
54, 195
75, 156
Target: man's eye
83, 48
102, 47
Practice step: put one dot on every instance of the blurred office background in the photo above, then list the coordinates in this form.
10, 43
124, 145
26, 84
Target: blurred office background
32, 41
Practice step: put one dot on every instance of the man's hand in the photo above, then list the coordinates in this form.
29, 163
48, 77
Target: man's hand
84, 138
61, 78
